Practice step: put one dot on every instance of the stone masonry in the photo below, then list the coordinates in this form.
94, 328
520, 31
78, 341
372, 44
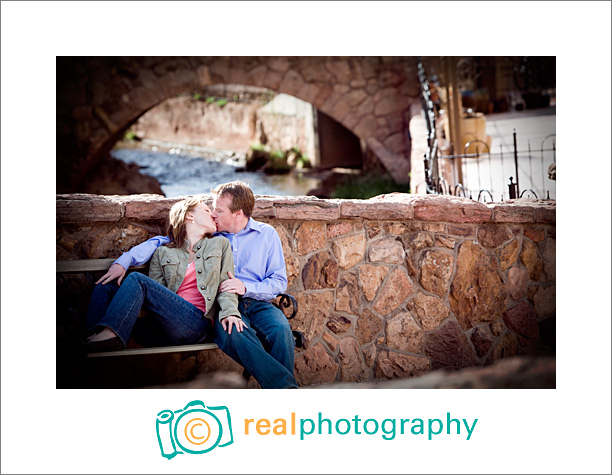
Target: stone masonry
391, 287
98, 98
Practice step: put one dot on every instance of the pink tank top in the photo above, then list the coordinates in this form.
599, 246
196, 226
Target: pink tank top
189, 289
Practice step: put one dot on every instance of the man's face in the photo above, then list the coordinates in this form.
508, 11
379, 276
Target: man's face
223, 217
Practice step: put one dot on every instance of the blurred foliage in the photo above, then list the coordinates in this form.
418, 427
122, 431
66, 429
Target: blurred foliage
272, 161
367, 186
130, 136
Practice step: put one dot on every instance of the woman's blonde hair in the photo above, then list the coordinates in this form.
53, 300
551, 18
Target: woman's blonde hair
177, 230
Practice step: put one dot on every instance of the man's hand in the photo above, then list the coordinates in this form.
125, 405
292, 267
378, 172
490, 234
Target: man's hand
228, 322
115, 271
232, 285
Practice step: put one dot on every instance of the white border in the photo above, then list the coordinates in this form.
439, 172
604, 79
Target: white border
566, 430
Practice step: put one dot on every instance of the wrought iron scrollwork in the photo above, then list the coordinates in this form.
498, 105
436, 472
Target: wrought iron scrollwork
286, 301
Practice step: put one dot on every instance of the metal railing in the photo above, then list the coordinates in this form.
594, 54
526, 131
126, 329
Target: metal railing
483, 165
432, 173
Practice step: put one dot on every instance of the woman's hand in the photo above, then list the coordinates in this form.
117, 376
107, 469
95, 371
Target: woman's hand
232, 285
116, 271
228, 322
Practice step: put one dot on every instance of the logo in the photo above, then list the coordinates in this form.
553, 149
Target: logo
195, 429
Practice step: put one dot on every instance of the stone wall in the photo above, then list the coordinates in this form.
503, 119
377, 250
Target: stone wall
98, 98
287, 122
189, 121
391, 287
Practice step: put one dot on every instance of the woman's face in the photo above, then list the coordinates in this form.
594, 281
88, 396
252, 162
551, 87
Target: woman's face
202, 218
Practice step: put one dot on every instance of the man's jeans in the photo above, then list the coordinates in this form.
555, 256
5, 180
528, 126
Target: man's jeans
266, 326
118, 307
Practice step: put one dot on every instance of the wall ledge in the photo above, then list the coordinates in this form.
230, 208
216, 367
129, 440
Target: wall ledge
85, 208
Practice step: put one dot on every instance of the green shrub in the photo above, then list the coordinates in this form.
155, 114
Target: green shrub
302, 162
130, 136
259, 147
367, 186
277, 155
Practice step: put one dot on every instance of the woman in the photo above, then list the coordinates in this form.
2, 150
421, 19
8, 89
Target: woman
181, 290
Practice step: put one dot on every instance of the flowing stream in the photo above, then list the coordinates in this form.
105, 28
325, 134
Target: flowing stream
187, 170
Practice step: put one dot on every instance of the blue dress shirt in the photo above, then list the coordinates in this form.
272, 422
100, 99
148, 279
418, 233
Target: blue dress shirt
258, 259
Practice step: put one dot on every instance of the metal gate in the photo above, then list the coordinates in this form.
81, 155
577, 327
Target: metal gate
488, 175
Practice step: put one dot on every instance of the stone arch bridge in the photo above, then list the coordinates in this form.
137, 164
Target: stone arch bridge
98, 98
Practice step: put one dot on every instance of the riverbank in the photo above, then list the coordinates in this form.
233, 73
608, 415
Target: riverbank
188, 169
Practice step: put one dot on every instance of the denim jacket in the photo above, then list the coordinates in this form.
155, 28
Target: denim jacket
213, 261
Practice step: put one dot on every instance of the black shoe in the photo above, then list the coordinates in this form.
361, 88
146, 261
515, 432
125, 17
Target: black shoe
110, 344
88, 334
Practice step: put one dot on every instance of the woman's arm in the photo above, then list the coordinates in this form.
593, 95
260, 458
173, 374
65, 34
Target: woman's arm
228, 302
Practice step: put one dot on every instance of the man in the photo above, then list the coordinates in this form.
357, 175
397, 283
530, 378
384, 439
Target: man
259, 276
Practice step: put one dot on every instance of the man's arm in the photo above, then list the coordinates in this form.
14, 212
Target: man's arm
274, 279
142, 253
116, 271
134, 257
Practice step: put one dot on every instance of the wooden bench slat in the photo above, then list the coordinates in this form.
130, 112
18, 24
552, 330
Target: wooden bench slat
154, 351
87, 265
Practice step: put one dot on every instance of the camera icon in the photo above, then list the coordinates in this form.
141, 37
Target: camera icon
195, 429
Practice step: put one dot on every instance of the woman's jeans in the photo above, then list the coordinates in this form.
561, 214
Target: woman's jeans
267, 326
117, 308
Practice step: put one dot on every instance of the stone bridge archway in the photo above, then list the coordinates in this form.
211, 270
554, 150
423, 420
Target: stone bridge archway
98, 98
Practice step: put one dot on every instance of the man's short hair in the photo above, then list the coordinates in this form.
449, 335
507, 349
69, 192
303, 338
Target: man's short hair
241, 194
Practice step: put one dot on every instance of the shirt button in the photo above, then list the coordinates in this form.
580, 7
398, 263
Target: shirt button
207, 298
198, 248
199, 272
203, 288
198, 256
168, 261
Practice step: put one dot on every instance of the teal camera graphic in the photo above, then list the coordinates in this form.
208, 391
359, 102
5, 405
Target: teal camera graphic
195, 429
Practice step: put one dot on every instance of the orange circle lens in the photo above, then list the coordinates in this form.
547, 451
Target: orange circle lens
192, 424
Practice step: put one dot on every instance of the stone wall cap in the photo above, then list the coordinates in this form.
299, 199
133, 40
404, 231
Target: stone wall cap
153, 197
531, 202
524, 210
382, 207
454, 209
82, 207
296, 201
89, 197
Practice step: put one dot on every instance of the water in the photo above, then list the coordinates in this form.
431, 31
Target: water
187, 170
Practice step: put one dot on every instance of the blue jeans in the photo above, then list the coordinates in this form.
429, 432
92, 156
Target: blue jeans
267, 326
118, 307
